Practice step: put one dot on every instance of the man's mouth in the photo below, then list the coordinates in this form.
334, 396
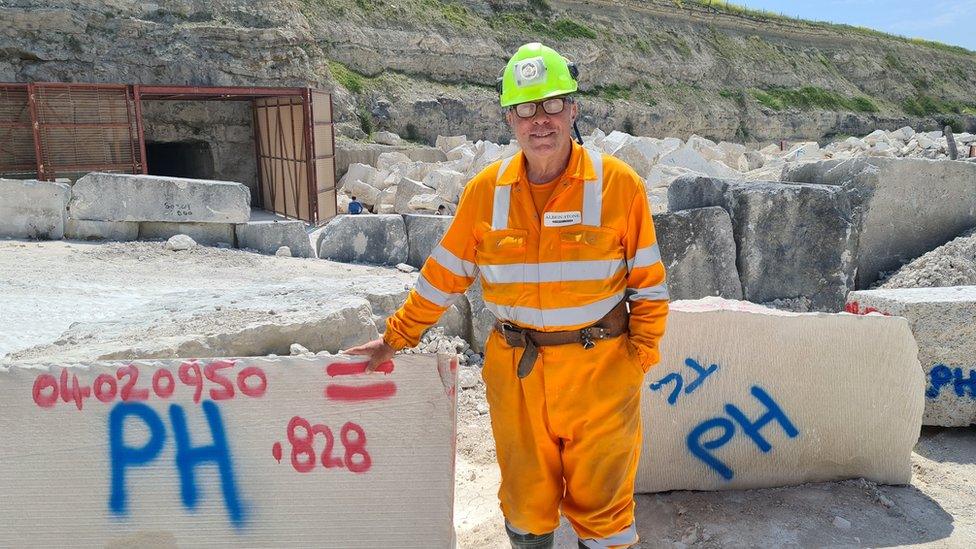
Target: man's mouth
542, 134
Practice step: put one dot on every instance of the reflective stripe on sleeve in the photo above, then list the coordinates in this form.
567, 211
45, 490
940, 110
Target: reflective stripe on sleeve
432, 294
650, 293
645, 257
453, 263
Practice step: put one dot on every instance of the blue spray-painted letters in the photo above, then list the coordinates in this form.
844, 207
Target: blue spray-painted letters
941, 375
679, 381
702, 449
187, 456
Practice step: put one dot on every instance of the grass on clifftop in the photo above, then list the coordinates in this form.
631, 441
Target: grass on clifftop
810, 97
734, 9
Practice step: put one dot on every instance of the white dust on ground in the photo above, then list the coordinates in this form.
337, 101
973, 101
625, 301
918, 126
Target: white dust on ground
47, 286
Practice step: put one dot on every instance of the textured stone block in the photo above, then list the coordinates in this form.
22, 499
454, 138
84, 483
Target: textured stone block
207, 234
903, 207
424, 232
944, 323
792, 240
118, 231
267, 236
376, 239
123, 197
749, 397
33, 209
243, 452
698, 250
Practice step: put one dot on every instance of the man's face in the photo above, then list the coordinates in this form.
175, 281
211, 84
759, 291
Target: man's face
543, 134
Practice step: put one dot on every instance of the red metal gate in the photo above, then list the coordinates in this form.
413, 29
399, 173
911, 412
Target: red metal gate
55, 130
294, 138
18, 157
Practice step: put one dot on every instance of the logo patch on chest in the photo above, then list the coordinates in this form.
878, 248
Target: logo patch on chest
561, 219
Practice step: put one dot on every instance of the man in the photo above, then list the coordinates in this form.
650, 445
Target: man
355, 207
564, 242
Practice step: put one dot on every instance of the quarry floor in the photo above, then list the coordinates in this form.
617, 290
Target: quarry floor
45, 287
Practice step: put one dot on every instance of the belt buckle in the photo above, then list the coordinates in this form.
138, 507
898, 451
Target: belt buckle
587, 335
514, 336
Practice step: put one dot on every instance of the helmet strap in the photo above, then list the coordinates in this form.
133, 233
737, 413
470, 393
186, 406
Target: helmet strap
579, 138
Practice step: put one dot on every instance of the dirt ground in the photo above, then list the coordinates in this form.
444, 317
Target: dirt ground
46, 288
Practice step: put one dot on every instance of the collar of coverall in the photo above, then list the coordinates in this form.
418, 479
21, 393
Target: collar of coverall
578, 168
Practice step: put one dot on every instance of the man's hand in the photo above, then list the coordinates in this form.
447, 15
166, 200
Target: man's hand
377, 351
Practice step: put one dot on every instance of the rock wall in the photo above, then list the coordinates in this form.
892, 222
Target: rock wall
424, 68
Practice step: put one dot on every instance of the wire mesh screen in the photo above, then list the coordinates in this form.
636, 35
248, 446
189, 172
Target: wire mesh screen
84, 128
17, 155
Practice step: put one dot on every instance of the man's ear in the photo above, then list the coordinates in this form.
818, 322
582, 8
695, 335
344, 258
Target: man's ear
508, 117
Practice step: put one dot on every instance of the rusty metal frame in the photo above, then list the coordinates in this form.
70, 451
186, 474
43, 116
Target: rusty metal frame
17, 125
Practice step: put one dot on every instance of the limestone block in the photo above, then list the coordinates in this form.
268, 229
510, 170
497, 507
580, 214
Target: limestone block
387, 160
118, 231
904, 133
424, 232
212, 453
387, 138
406, 190
267, 236
747, 397
206, 234
123, 197
791, 240
641, 154
903, 207
942, 321
447, 143
376, 239
33, 209
692, 159
448, 183
754, 160
698, 250
427, 203
364, 192
803, 151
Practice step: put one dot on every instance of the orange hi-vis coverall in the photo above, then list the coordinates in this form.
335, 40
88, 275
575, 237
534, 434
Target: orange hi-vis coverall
569, 434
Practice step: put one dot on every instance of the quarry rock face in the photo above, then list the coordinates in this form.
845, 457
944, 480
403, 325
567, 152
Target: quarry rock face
942, 320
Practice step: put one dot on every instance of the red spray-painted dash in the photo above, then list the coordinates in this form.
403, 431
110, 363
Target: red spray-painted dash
276, 451
352, 368
351, 393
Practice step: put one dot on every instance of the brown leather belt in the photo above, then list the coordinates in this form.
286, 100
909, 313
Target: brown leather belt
612, 324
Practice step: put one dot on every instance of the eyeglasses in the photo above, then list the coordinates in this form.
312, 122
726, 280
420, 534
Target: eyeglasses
550, 106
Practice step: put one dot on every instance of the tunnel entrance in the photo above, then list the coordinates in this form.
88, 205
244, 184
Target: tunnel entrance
193, 159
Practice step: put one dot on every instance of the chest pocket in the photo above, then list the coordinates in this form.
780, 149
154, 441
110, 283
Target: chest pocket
591, 254
501, 255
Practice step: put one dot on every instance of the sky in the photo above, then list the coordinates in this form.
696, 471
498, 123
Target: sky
951, 22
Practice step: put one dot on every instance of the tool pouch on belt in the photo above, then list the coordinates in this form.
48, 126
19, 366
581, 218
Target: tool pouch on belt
611, 325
